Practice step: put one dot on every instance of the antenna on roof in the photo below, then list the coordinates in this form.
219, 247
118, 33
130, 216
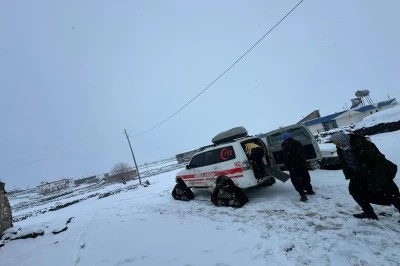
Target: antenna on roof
362, 99
364, 96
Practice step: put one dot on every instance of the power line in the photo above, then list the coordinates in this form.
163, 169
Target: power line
34, 157
40, 158
223, 73
150, 144
59, 151
45, 150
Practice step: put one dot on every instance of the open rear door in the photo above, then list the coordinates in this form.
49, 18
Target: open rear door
278, 174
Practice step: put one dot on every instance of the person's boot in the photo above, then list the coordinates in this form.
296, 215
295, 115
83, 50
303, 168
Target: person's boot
396, 203
303, 198
397, 206
366, 215
308, 189
310, 192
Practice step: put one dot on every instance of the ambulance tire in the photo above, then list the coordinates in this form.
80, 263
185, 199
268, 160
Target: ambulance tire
227, 194
182, 192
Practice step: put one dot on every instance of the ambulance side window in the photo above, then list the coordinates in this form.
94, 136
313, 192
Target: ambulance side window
226, 154
197, 161
211, 157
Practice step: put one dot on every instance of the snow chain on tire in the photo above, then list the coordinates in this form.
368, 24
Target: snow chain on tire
182, 192
226, 193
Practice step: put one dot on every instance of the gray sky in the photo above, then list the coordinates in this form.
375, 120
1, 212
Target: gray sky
74, 74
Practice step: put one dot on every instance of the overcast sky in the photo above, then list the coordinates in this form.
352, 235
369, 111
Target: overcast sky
74, 74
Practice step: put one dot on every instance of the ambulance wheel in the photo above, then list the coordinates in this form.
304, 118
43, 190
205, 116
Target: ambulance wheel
182, 192
227, 194
314, 165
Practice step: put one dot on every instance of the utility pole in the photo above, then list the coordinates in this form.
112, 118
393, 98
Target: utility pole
133, 156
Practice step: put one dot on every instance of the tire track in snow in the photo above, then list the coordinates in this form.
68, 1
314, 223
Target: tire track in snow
82, 241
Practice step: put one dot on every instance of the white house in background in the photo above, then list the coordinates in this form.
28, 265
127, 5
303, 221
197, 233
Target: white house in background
348, 117
54, 186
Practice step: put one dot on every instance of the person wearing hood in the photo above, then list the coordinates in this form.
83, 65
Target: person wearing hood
295, 162
370, 173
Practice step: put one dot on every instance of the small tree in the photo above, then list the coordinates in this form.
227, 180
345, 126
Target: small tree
121, 171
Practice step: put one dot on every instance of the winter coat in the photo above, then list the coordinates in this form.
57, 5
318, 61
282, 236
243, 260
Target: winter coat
249, 147
373, 167
293, 154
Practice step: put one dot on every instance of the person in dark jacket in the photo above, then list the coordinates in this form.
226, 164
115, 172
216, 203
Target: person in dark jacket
255, 153
296, 164
370, 173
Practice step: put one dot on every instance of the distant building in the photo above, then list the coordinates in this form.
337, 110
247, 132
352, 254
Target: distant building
54, 186
313, 115
185, 157
87, 180
347, 117
121, 177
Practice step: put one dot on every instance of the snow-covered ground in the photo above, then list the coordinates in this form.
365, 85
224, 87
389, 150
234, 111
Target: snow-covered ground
145, 226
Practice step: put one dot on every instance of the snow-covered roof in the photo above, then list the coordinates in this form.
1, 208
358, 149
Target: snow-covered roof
54, 182
384, 116
360, 109
323, 119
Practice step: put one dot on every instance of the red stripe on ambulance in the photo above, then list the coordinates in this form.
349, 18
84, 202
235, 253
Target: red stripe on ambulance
209, 175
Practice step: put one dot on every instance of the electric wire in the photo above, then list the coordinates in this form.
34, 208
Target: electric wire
223, 73
35, 156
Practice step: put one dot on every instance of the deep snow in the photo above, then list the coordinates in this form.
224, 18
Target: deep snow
145, 226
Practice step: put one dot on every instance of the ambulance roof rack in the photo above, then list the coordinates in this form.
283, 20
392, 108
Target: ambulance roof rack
230, 135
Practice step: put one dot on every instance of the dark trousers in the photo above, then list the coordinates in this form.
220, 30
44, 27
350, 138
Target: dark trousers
256, 155
388, 196
301, 180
